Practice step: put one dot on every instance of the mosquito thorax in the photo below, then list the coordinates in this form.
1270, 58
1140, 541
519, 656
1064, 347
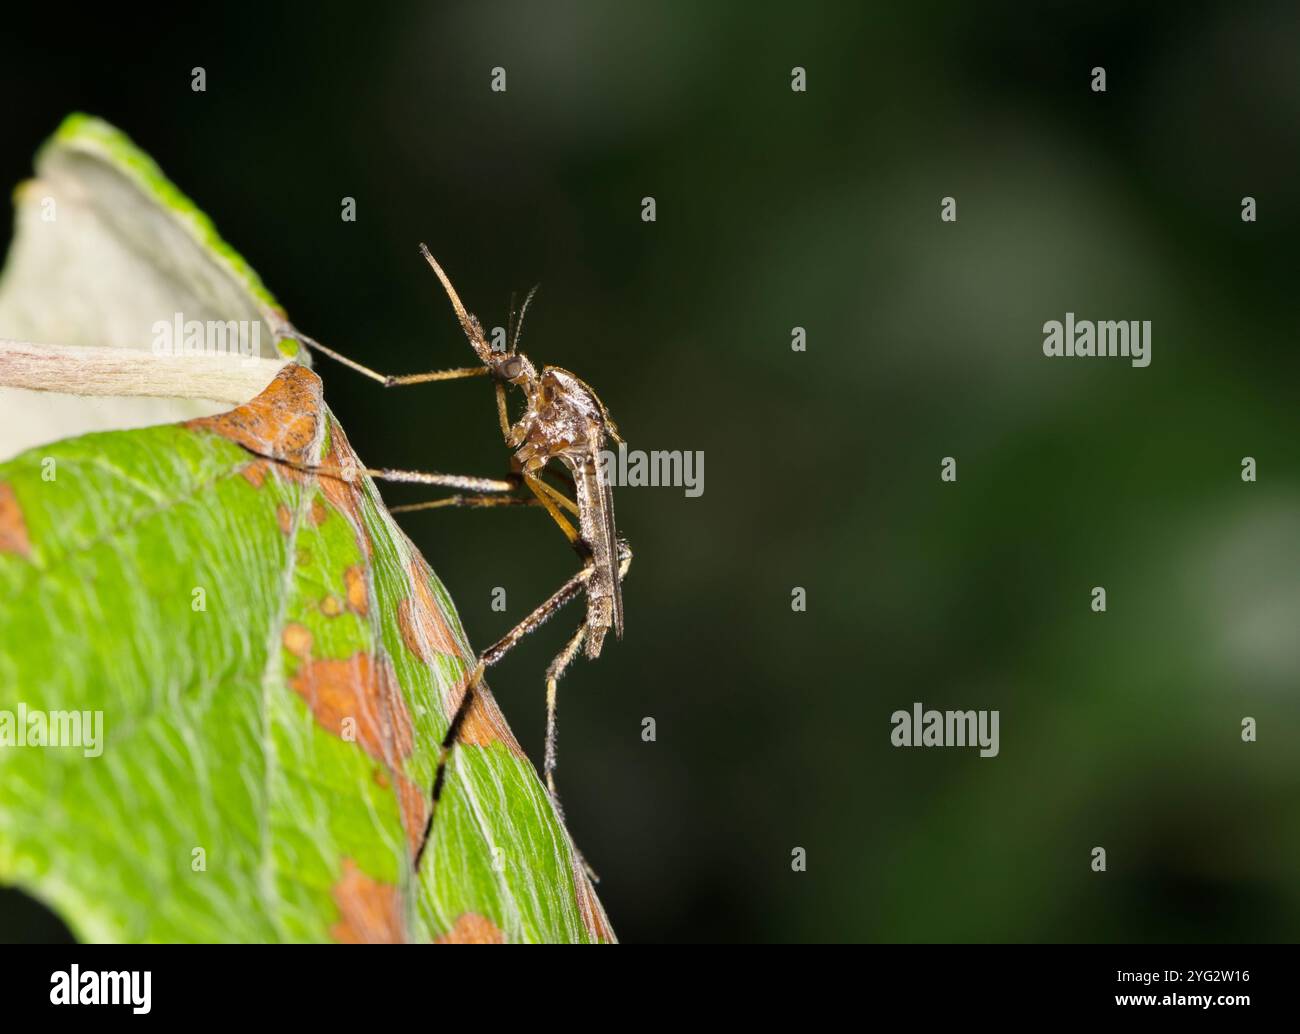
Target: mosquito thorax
561, 387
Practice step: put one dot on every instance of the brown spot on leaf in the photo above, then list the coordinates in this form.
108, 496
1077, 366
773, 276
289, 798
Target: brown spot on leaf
13, 528
297, 640
255, 473
283, 422
284, 518
356, 689
427, 635
331, 606
345, 495
364, 691
318, 511
484, 723
424, 629
369, 911
355, 579
472, 928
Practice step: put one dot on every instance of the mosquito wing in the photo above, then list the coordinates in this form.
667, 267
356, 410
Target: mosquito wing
604, 595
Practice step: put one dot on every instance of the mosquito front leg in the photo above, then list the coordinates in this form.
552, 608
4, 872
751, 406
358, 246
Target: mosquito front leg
389, 380
507, 432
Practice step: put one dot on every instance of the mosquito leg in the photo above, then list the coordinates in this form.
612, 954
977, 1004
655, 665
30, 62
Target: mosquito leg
461, 482
557, 496
502, 415
388, 380
545, 611
545, 494
538, 617
473, 501
444, 754
553, 675
564, 594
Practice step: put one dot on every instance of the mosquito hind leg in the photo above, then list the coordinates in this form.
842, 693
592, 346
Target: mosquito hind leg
555, 672
539, 616
444, 754
553, 675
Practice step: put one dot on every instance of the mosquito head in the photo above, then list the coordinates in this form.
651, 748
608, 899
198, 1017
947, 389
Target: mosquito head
513, 368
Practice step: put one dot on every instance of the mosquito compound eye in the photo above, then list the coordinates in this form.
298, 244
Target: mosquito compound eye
512, 368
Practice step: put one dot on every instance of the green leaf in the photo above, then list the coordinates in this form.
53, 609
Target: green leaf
274, 664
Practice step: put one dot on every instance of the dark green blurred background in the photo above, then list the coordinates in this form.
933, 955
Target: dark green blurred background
778, 209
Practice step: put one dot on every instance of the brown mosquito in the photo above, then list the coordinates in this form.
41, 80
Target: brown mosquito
563, 420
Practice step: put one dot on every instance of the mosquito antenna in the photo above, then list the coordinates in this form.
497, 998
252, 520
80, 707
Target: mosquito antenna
510, 322
514, 343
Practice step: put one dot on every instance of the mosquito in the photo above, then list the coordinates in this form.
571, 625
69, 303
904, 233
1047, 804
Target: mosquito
563, 421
